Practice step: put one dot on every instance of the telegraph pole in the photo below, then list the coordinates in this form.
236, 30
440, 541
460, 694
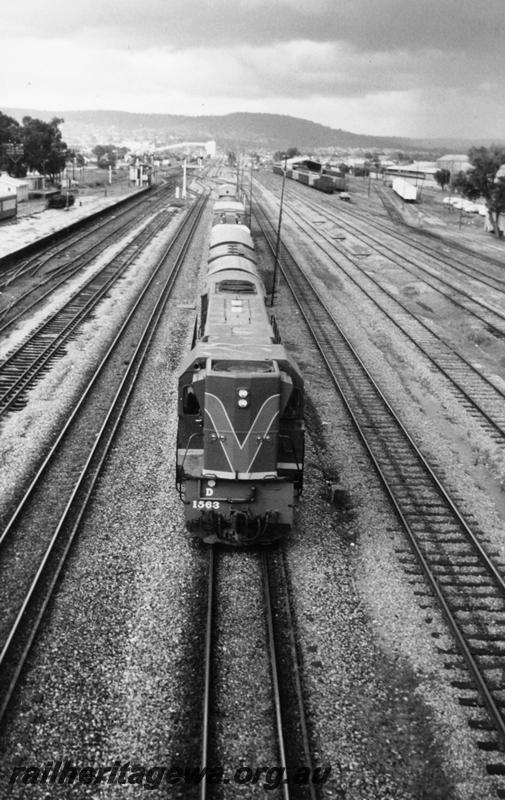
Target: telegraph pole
184, 179
250, 193
278, 240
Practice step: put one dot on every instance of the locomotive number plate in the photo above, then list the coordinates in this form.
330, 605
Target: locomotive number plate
208, 504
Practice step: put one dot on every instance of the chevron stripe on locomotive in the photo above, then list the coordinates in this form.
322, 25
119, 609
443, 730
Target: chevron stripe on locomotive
240, 439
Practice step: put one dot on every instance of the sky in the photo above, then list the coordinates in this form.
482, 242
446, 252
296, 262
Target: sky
418, 68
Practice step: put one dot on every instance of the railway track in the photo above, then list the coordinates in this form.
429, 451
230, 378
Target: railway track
437, 278
55, 264
39, 255
478, 393
433, 275
420, 240
23, 367
290, 734
48, 252
447, 549
38, 535
431, 235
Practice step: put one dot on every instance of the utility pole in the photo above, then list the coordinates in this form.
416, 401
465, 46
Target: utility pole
184, 179
67, 179
278, 240
250, 193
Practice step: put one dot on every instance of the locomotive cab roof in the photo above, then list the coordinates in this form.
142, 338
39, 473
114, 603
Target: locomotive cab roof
236, 310
205, 354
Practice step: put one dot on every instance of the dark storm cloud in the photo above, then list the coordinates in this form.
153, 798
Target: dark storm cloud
411, 64
342, 72
367, 25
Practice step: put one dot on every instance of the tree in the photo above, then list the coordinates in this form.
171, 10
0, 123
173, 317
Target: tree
290, 152
45, 150
375, 163
443, 178
105, 155
459, 182
10, 143
481, 181
9, 128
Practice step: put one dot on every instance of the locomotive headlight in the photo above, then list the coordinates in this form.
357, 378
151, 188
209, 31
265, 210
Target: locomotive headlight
243, 398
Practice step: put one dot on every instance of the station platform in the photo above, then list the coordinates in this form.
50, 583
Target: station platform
34, 221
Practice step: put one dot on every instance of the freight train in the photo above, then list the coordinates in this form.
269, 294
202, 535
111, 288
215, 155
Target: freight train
325, 180
240, 438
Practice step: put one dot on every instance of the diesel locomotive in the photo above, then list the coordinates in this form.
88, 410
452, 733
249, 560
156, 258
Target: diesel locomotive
240, 439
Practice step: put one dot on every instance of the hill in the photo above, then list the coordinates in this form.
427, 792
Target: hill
239, 130
243, 131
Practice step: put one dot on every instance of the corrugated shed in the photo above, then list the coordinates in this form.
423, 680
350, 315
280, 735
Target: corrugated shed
17, 186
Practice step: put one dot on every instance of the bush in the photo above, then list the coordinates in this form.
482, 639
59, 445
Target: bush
60, 201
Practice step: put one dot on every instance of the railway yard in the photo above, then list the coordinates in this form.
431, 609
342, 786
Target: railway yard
364, 656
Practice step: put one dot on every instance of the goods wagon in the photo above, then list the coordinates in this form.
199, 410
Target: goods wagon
404, 189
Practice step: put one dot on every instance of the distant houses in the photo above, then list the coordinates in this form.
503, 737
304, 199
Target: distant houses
12, 192
454, 163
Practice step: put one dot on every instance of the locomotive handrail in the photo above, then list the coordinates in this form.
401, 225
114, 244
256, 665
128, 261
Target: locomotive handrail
180, 471
275, 328
295, 456
195, 332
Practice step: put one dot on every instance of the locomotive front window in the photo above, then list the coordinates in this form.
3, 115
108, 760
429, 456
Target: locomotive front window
190, 404
243, 366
